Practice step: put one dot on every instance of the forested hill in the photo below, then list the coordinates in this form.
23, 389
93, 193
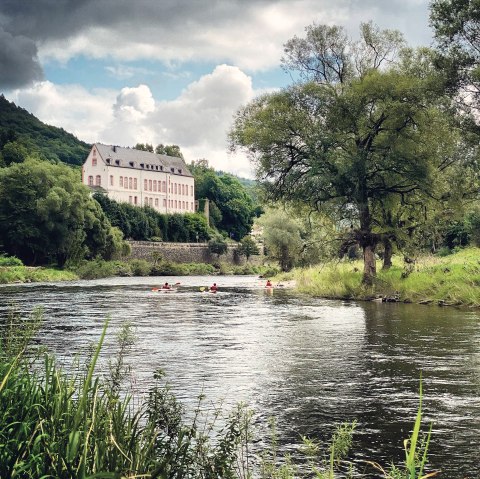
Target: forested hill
22, 132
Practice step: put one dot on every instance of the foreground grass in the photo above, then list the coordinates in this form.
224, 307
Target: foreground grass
449, 280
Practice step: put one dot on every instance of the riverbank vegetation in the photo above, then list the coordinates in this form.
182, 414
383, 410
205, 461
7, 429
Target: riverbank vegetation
62, 424
445, 280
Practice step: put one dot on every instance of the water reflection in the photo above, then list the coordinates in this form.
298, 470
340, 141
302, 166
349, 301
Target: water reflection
311, 363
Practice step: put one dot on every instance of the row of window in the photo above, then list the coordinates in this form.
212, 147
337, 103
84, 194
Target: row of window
149, 185
182, 205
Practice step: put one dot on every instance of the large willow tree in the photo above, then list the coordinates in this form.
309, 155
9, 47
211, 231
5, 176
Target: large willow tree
364, 127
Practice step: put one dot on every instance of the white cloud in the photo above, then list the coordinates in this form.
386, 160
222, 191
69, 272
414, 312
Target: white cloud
197, 120
70, 107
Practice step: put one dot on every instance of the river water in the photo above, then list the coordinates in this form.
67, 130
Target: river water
310, 363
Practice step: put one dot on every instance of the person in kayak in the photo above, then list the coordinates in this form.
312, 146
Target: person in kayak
213, 288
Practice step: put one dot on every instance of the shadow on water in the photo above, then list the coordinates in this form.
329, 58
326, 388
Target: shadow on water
310, 363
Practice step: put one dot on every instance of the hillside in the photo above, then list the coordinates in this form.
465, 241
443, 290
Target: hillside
19, 126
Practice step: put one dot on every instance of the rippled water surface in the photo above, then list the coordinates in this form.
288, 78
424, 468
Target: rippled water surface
311, 363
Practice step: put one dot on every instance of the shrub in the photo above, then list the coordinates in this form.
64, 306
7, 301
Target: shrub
6, 260
140, 267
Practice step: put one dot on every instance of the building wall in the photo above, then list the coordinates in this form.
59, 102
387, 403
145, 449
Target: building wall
164, 191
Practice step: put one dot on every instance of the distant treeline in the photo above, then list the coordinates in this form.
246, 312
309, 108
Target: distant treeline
22, 134
144, 223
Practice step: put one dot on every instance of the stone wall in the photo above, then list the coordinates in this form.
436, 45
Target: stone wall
186, 253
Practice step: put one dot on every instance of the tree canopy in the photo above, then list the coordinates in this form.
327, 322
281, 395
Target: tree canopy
366, 124
47, 215
231, 207
457, 31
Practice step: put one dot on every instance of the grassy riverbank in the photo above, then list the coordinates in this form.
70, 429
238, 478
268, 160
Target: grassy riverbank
448, 280
17, 273
25, 274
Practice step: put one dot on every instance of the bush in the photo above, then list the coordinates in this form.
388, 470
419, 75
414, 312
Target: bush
96, 269
140, 267
6, 260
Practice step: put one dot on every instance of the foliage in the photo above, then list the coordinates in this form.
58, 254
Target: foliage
217, 245
47, 215
231, 207
457, 29
160, 149
20, 131
248, 247
282, 238
359, 130
10, 261
144, 223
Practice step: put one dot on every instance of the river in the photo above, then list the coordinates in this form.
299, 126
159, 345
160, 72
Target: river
310, 363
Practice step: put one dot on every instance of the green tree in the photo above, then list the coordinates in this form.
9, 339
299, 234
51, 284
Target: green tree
248, 247
231, 208
169, 150
14, 152
282, 237
363, 126
217, 245
457, 29
144, 147
47, 215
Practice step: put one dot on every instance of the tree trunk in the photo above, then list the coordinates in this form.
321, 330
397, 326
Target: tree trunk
387, 255
369, 264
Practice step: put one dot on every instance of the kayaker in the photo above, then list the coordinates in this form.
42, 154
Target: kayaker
166, 286
269, 284
213, 288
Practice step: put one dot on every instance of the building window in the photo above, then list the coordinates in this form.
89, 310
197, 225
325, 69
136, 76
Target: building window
130, 199
145, 185
111, 180
156, 202
191, 190
183, 189
90, 181
164, 186
191, 206
130, 184
154, 185
94, 161
165, 202
175, 187
134, 183
98, 180
121, 181
146, 201
150, 185
135, 200
176, 204
151, 202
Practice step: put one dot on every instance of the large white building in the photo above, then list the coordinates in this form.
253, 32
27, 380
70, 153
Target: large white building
140, 178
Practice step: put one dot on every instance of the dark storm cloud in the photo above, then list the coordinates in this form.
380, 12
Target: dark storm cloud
24, 24
18, 61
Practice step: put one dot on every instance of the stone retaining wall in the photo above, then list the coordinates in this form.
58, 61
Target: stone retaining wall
187, 253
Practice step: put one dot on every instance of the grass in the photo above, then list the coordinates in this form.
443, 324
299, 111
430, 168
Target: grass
448, 280
25, 274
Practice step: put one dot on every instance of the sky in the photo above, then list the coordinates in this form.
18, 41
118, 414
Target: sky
167, 71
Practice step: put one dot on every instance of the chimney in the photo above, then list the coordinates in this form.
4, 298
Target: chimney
114, 148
